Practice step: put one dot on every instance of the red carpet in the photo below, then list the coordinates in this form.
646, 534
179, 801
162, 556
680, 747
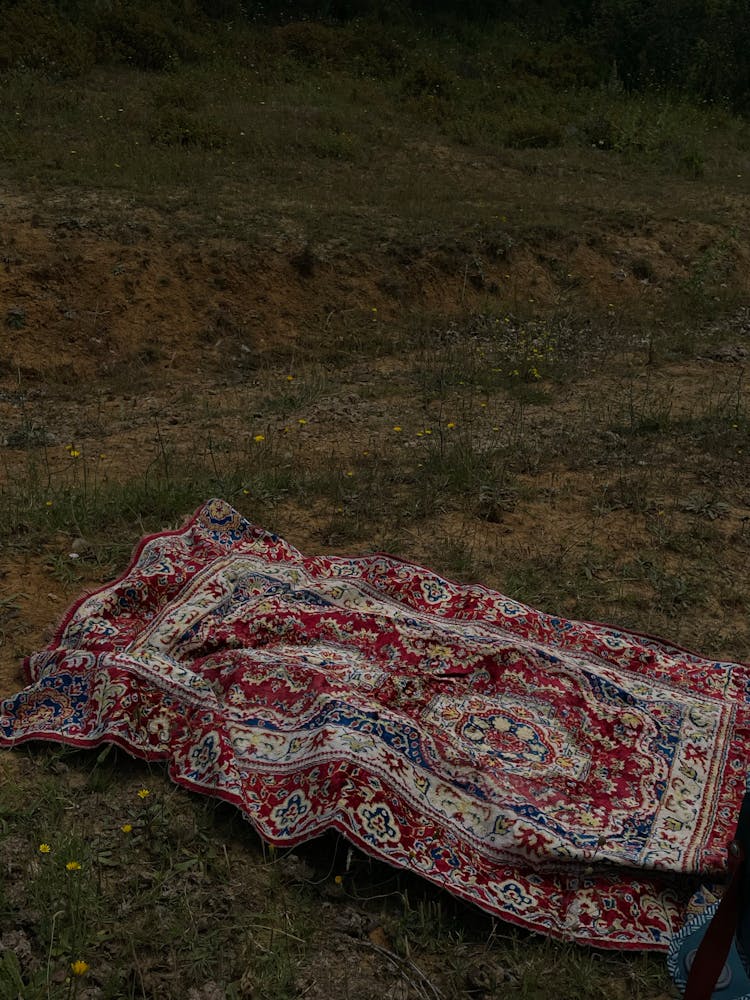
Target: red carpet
568, 777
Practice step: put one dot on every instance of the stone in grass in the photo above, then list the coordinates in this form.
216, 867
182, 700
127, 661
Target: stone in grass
19, 945
81, 548
729, 352
208, 991
293, 869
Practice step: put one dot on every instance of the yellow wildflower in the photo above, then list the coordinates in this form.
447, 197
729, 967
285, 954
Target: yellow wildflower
450, 425
302, 421
79, 967
143, 793
259, 437
74, 453
127, 828
339, 879
44, 848
73, 866
397, 428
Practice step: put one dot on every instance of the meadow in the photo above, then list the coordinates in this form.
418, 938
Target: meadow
460, 300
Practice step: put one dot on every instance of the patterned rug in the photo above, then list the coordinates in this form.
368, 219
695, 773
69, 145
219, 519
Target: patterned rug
568, 777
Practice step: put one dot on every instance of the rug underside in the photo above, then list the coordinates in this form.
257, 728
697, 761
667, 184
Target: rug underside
571, 778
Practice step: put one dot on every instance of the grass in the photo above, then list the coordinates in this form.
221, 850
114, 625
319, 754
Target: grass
146, 884
150, 866
256, 283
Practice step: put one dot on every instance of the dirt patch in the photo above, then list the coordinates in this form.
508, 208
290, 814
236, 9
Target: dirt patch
109, 291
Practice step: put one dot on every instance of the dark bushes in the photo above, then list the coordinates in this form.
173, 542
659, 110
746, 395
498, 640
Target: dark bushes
65, 38
35, 36
699, 46
691, 46
150, 36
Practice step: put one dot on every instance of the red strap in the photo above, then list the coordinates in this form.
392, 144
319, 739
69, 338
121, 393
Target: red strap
712, 952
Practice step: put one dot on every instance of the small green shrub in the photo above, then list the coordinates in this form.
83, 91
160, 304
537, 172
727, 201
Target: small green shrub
429, 78
598, 129
311, 44
375, 54
178, 91
181, 128
338, 144
642, 269
565, 64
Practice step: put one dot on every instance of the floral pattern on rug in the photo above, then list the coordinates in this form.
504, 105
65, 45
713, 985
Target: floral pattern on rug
569, 777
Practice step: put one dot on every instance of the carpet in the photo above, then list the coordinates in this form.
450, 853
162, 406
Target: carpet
571, 778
